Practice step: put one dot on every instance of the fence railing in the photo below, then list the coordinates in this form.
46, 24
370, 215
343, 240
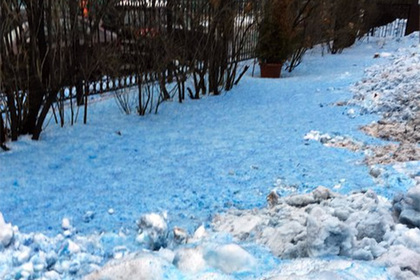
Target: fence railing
134, 26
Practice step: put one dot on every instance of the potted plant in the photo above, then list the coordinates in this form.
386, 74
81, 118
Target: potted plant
274, 45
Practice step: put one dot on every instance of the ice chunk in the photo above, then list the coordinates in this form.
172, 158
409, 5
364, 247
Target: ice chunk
146, 267
28, 268
73, 247
68, 248
327, 235
410, 217
407, 206
180, 235
286, 240
300, 200
200, 233
153, 221
321, 193
153, 231
167, 254
414, 195
190, 260
6, 232
65, 224
229, 258
52, 275
405, 263
22, 255
241, 224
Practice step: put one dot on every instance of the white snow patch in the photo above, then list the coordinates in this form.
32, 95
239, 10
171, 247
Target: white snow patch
65, 224
146, 267
190, 260
6, 232
230, 258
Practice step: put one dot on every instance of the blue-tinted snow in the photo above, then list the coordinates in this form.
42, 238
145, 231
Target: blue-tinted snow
196, 159
192, 159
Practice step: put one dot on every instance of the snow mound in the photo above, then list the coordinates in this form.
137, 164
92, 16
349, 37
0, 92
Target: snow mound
229, 258
391, 89
322, 224
190, 260
146, 267
65, 256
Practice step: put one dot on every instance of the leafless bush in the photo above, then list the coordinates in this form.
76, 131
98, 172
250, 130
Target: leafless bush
44, 44
125, 101
51, 53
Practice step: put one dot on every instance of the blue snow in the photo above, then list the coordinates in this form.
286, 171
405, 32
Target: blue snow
196, 159
193, 159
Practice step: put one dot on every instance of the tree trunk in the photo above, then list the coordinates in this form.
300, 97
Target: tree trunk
38, 68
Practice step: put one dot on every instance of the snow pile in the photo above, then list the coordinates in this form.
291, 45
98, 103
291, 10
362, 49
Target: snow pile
67, 255
199, 258
160, 253
147, 267
320, 224
34, 255
391, 89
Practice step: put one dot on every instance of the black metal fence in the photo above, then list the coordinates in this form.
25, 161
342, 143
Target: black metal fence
123, 30
55, 50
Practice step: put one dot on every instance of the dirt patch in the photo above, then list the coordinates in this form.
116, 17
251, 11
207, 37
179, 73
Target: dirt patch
407, 133
402, 132
345, 143
393, 153
407, 149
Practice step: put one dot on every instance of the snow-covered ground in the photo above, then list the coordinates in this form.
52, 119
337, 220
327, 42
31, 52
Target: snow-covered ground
183, 194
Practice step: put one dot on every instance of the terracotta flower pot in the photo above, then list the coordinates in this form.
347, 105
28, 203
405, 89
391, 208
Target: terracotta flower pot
270, 70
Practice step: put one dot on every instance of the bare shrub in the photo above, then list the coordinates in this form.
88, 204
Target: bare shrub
125, 101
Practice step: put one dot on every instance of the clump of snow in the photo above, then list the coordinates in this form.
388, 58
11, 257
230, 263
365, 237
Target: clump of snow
6, 233
322, 223
65, 224
153, 230
147, 267
190, 260
403, 262
337, 141
36, 256
407, 207
229, 258
317, 136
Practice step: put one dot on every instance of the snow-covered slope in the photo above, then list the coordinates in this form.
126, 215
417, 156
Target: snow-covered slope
152, 198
